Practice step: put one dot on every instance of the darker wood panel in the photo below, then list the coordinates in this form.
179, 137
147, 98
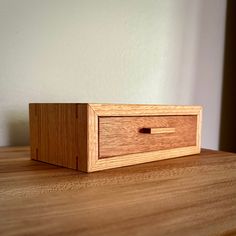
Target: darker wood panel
81, 136
126, 135
67, 134
228, 107
55, 141
48, 141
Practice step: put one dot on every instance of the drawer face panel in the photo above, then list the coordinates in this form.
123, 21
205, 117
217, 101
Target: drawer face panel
128, 135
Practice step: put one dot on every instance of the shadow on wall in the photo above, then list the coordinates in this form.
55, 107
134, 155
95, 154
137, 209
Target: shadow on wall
228, 110
18, 129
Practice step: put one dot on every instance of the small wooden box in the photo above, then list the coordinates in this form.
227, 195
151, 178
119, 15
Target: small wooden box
92, 137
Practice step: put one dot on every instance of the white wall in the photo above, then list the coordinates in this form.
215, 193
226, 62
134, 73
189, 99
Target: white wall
209, 69
133, 51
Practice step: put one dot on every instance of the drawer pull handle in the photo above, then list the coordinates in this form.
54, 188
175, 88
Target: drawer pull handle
158, 130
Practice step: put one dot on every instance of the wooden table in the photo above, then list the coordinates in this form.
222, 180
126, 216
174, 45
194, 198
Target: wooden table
194, 195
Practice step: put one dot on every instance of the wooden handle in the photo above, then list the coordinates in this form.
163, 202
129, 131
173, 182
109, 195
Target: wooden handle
159, 130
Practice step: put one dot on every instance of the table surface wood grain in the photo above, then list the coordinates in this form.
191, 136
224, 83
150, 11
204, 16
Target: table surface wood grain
192, 195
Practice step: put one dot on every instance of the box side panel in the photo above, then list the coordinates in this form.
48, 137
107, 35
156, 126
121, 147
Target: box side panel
66, 143
56, 136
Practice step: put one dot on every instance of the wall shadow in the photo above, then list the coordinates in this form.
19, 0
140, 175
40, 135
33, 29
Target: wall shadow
18, 129
228, 106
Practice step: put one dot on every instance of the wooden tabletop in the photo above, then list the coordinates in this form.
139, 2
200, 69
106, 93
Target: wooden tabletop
193, 195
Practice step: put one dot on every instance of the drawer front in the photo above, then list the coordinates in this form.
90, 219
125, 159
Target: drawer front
128, 135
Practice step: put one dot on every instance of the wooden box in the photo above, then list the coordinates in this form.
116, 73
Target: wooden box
92, 137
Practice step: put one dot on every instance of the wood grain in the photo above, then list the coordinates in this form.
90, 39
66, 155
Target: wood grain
194, 195
143, 157
126, 135
143, 109
53, 134
81, 134
92, 139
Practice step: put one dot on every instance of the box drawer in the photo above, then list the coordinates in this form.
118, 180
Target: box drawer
127, 135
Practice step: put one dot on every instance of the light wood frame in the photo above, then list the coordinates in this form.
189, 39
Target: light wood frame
98, 110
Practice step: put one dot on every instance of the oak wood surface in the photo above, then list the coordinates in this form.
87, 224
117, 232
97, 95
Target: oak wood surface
126, 135
192, 195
